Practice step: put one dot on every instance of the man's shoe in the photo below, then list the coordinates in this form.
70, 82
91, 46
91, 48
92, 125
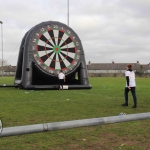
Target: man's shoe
134, 106
124, 104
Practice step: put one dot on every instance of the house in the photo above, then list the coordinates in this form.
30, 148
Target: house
8, 70
97, 69
116, 69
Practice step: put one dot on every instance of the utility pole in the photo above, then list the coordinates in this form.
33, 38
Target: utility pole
2, 44
68, 12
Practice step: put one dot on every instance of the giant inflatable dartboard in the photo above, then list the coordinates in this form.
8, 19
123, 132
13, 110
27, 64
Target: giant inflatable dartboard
46, 49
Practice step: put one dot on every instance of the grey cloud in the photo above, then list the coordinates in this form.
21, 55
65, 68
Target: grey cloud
109, 30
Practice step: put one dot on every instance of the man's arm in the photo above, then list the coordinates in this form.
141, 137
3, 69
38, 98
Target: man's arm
127, 79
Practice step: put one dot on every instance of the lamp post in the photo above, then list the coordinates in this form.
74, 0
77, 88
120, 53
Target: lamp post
2, 44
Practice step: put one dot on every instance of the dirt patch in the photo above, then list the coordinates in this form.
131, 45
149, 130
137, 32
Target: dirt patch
109, 141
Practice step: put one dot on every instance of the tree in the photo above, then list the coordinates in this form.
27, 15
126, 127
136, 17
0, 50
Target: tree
140, 71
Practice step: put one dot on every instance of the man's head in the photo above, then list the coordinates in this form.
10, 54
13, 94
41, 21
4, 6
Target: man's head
129, 66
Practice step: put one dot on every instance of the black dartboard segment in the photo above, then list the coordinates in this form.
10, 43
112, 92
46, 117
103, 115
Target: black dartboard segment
55, 47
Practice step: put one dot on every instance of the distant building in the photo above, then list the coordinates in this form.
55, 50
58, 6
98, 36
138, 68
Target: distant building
115, 69
97, 69
8, 70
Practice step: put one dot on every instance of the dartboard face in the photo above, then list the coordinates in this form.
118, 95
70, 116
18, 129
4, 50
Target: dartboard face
55, 47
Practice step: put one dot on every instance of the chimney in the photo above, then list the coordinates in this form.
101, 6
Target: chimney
89, 63
113, 62
137, 62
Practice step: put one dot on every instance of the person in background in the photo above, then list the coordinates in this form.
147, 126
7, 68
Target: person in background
130, 86
61, 77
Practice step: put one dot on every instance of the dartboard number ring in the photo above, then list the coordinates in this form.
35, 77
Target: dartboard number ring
55, 48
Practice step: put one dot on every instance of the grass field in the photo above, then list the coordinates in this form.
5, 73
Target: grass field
24, 107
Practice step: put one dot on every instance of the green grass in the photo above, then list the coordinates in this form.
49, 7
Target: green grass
24, 107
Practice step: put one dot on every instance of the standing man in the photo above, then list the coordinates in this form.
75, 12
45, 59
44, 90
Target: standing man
130, 86
61, 77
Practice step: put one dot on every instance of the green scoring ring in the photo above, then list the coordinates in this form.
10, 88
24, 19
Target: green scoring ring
57, 49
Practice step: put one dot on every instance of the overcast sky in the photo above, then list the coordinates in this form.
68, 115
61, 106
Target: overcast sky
117, 30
